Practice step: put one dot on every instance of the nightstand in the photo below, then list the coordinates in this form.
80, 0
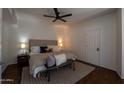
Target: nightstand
23, 60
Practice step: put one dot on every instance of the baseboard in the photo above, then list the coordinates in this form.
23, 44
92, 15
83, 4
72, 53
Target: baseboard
3, 71
87, 63
119, 74
94, 65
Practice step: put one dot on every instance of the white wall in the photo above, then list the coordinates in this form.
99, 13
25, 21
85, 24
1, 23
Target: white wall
32, 27
107, 25
120, 21
0, 31
0, 41
7, 30
119, 41
27, 27
122, 74
120, 34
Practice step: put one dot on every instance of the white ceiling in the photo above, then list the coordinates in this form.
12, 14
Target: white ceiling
78, 14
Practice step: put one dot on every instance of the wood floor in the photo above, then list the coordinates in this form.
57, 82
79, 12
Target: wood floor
98, 76
101, 76
13, 73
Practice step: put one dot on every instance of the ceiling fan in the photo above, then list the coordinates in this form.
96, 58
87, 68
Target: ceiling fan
57, 16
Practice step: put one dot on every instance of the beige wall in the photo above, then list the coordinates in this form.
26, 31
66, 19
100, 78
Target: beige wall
119, 41
27, 27
120, 62
0, 41
32, 27
122, 71
0, 31
7, 30
107, 25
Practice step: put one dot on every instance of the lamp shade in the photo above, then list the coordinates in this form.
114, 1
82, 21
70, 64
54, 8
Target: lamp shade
60, 41
61, 44
23, 45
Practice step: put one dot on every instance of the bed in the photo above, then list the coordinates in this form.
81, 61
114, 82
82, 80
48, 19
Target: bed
38, 62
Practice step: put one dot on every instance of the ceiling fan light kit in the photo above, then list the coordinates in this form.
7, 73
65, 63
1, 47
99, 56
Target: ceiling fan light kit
57, 16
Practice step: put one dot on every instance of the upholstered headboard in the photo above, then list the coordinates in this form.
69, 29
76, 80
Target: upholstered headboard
35, 42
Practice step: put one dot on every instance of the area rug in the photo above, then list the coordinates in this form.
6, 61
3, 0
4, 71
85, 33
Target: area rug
63, 75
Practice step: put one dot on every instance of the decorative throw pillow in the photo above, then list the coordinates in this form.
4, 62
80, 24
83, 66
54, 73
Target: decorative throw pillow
43, 49
60, 59
35, 49
54, 48
50, 50
51, 60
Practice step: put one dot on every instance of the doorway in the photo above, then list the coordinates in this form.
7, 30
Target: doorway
92, 46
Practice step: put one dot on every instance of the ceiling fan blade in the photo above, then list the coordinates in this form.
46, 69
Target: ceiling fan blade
62, 20
56, 12
66, 15
54, 20
57, 16
49, 16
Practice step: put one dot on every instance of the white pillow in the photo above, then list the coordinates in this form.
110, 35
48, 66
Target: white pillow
35, 49
61, 58
55, 48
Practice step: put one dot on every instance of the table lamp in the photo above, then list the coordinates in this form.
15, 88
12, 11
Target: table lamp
23, 47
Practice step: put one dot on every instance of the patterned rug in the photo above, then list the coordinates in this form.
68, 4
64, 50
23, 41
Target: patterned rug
64, 75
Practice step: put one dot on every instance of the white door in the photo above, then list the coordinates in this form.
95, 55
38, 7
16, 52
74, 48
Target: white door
92, 46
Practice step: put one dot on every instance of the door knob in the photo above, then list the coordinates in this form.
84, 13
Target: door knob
97, 49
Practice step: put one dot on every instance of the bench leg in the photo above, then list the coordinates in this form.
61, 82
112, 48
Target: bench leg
48, 76
73, 64
70, 66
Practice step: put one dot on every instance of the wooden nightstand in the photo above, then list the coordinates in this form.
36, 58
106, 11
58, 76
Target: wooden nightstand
23, 60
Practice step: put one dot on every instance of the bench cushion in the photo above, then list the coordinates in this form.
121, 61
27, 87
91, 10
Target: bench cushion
51, 60
60, 59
